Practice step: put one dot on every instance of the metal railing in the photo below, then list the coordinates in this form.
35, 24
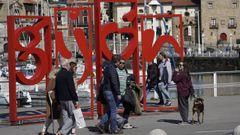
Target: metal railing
215, 79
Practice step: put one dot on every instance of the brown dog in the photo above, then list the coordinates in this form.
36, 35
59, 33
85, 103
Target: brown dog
198, 107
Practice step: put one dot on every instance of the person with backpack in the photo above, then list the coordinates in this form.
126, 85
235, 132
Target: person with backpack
131, 100
165, 77
127, 92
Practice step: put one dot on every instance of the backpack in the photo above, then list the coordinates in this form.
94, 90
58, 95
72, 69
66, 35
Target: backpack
100, 96
164, 77
128, 97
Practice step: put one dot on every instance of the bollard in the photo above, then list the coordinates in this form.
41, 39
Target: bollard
157, 132
236, 130
215, 84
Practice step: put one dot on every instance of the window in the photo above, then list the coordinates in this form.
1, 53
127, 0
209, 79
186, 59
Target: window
234, 4
210, 4
231, 21
213, 21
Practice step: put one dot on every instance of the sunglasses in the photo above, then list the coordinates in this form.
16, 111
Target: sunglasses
122, 62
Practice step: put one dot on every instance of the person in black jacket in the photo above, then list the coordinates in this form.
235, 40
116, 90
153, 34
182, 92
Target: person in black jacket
111, 94
152, 80
67, 97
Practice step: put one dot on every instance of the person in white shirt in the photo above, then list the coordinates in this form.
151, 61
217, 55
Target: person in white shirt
165, 77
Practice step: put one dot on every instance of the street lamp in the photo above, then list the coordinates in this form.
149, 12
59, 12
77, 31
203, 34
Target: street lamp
114, 41
230, 41
198, 24
154, 4
203, 43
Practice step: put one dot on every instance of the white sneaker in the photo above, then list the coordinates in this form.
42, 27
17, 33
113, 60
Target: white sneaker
127, 126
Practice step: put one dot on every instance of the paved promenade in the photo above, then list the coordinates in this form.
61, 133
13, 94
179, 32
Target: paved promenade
222, 115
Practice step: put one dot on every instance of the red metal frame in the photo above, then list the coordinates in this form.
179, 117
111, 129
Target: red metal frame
84, 45
101, 32
102, 51
43, 57
149, 46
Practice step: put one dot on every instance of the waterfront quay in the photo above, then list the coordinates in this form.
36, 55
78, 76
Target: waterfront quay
221, 117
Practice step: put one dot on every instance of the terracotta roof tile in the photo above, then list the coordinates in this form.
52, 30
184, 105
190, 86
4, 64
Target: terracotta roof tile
183, 3
29, 1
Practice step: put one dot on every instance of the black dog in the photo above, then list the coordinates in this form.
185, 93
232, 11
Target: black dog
198, 107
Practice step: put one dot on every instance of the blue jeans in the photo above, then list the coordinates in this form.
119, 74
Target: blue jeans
164, 89
111, 111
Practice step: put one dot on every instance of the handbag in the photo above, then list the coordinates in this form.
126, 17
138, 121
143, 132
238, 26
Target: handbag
128, 97
80, 122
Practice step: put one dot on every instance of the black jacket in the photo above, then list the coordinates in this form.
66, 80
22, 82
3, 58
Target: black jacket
111, 79
65, 88
152, 74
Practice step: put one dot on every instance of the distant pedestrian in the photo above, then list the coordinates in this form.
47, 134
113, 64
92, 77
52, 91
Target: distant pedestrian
67, 97
165, 77
183, 81
152, 80
53, 107
73, 70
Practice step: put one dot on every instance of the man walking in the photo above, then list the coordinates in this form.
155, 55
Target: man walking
165, 70
111, 94
67, 97
152, 80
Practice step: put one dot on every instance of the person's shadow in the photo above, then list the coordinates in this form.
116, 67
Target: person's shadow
170, 121
93, 129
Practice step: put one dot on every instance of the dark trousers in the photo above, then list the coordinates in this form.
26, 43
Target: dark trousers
127, 109
183, 106
156, 88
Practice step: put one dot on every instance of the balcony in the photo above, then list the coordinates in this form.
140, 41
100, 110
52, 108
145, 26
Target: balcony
232, 25
213, 26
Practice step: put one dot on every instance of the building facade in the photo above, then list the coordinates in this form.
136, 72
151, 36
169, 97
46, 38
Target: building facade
220, 22
189, 11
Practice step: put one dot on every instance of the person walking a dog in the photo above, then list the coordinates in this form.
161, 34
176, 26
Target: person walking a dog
183, 81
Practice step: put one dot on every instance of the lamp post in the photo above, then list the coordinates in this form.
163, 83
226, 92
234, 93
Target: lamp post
198, 24
114, 41
203, 43
230, 42
154, 4
114, 44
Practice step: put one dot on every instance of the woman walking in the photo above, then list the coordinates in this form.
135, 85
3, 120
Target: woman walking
53, 109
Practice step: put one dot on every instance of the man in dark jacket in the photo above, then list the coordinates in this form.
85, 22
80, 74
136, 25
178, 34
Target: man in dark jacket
67, 96
152, 80
111, 93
